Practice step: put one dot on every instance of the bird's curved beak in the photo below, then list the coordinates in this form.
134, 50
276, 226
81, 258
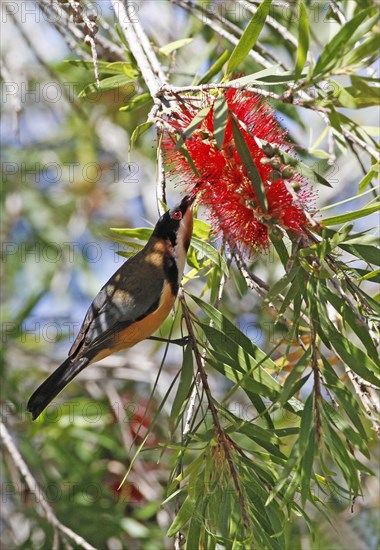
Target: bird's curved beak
186, 203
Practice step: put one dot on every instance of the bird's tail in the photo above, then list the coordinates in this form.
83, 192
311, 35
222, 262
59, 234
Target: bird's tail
53, 385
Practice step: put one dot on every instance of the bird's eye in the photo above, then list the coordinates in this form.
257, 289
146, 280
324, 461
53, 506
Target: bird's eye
177, 215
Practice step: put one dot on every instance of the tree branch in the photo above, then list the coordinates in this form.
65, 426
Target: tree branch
129, 30
36, 489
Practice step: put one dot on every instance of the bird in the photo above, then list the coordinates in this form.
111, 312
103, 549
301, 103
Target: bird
131, 306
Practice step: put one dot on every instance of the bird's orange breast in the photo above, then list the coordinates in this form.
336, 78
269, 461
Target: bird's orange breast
143, 328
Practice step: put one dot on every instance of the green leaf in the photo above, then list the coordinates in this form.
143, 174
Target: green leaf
111, 83
352, 320
137, 102
214, 69
350, 354
172, 46
210, 252
353, 198
292, 383
303, 39
281, 249
342, 41
365, 54
195, 527
190, 161
340, 96
141, 233
367, 253
238, 365
363, 95
344, 397
343, 426
184, 387
220, 120
369, 177
122, 68
264, 77
349, 216
139, 131
249, 37
197, 120
307, 420
306, 469
373, 276
201, 229
340, 455
183, 516
280, 285
249, 164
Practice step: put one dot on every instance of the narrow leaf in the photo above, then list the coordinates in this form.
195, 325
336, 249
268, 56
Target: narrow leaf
172, 46
184, 387
349, 216
249, 37
137, 102
141, 233
119, 81
182, 517
303, 39
139, 131
211, 253
214, 69
220, 120
197, 120
307, 467
249, 164
334, 49
369, 177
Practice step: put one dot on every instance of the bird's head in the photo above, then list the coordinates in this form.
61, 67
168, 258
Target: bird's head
176, 225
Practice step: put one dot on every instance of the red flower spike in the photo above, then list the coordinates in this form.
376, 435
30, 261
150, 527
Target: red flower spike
223, 184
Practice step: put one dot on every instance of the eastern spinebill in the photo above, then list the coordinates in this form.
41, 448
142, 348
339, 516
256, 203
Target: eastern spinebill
131, 306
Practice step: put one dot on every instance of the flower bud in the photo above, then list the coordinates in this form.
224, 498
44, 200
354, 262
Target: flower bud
288, 172
276, 162
269, 150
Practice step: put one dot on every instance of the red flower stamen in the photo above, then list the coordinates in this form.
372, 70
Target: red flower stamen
223, 184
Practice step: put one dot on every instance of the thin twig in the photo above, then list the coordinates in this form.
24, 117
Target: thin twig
161, 174
91, 30
140, 476
337, 11
109, 50
35, 489
317, 381
65, 93
355, 139
222, 437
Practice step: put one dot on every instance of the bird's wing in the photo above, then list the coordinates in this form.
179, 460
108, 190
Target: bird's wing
122, 301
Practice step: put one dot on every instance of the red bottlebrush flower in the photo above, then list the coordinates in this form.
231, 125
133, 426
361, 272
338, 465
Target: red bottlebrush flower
223, 183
